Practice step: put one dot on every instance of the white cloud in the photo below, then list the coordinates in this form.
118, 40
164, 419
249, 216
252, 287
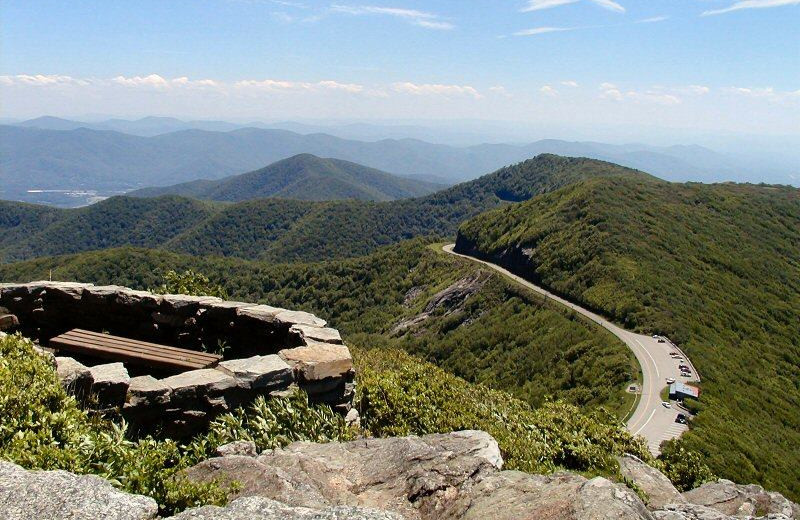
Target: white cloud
751, 4
549, 91
288, 86
536, 5
42, 80
610, 5
697, 90
653, 96
541, 30
607, 86
764, 93
500, 90
571, 84
653, 19
436, 89
419, 18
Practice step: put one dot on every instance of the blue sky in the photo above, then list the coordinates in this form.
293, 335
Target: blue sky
713, 64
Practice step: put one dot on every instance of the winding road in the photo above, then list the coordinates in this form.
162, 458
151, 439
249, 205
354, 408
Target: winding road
651, 419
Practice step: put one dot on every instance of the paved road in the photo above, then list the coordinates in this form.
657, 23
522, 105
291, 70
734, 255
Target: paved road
651, 419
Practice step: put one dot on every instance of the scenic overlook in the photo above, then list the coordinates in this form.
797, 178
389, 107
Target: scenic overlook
400, 260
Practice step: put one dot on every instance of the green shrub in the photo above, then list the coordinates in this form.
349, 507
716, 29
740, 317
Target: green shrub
41, 427
275, 423
190, 282
686, 469
399, 395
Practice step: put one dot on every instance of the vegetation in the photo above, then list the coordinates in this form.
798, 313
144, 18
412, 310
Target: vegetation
502, 336
302, 177
279, 230
189, 282
714, 267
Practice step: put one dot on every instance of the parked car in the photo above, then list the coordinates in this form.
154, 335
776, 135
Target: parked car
681, 418
670, 380
655, 336
685, 368
666, 404
662, 340
686, 374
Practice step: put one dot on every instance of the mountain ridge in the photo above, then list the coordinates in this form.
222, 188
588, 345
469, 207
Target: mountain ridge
301, 177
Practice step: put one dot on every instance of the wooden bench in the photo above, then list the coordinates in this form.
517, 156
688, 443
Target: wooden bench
8, 321
113, 348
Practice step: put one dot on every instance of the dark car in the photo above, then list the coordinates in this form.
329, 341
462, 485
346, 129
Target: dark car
681, 418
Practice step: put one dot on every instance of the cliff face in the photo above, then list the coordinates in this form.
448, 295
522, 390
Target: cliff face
455, 476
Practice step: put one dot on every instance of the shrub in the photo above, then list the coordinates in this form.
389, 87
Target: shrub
190, 282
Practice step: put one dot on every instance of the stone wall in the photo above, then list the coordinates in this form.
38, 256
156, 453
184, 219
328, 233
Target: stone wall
270, 351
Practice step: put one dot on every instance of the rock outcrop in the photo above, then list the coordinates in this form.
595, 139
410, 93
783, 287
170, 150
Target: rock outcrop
653, 483
270, 350
37, 495
455, 476
741, 501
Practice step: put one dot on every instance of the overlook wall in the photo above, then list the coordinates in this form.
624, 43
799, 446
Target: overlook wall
269, 351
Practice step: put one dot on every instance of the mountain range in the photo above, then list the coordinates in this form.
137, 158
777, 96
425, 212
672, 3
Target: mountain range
280, 229
302, 177
68, 156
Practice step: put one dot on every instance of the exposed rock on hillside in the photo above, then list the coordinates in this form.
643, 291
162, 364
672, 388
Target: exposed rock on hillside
448, 301
453, 476
741, 500
37, 495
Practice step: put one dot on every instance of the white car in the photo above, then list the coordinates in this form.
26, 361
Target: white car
670, 380
666, 404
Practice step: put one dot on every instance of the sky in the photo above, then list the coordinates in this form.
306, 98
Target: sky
729, 66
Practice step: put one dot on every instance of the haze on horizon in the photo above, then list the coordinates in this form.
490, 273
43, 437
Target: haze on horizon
581, 69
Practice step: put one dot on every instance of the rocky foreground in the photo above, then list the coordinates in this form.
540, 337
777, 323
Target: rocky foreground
453, 476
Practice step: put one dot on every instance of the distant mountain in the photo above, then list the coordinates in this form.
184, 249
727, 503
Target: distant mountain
302, 177
105, 161
144, 127
280, 229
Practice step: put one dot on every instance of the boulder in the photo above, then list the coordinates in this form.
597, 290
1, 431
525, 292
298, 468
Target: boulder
75, 377
147, 391
322, 334
690, 512
197, 383
656, 485
741, 500
252, 508
259, 371
511, 495
8, 321
390, 474
243, 448
37, 495
110, 384
300, 318
317, 361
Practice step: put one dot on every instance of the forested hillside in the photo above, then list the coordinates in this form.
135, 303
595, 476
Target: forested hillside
282, 230
302, 177
715, 267
484, 329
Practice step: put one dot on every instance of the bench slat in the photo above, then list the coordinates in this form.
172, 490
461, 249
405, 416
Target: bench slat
134, 352
126, 357
141, 345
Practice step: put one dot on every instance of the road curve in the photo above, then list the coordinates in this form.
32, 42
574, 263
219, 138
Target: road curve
651, 419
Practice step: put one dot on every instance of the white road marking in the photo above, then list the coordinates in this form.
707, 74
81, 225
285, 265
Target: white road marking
648, 355
645, 423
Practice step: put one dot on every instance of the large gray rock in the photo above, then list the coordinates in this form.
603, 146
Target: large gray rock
690, 512
259, 371
259, 508
110, 384
388, 474
195, 383
656, 485
511, 495
59, 495
323, 334
147, 391
242, 448
454, 476
741, 500
75, 377
317, 361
